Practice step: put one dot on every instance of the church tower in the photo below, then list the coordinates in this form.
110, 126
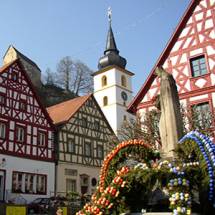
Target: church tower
112, 84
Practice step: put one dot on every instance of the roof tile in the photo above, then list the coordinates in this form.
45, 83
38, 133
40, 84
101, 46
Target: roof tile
63, 111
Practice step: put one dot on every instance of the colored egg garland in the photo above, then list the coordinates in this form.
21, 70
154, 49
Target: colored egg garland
178, 187
207, 149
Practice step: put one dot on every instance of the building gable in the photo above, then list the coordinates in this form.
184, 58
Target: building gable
22, 109
193, 37
87, 126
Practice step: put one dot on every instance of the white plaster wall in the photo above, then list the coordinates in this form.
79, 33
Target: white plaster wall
121, 112
110, 113
111, 79
128, 79
115, 110
30, 166
119, 99
92, 172
109, 92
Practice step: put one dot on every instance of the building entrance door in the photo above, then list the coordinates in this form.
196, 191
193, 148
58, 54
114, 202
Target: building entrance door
2, 185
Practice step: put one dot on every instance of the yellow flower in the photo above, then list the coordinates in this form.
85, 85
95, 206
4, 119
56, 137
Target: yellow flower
179, 209
188, 212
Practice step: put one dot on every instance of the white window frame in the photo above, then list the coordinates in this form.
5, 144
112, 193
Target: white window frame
41, 141
100, 153
87, 149
71, 185
2, 99
20, 134
71, 145
3, 128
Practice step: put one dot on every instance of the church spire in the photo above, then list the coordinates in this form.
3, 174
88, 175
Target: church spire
111, 53
111, 44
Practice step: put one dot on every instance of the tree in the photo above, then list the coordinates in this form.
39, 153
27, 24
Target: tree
74, 76
49, 77
147, 127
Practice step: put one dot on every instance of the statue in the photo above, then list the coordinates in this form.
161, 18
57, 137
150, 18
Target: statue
170, 124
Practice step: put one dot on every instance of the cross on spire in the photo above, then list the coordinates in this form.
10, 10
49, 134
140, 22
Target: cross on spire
109, 13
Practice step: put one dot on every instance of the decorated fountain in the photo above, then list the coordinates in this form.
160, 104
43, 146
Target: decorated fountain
133, 171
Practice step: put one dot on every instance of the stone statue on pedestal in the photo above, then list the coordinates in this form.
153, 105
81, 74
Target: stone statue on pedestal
171, 124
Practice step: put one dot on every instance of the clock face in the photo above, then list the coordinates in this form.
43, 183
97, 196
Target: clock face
124, 96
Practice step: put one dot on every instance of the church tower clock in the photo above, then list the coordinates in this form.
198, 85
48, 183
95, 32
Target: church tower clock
112, 84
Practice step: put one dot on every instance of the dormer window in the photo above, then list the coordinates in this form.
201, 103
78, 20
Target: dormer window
105, 101
104, 80
198, 66
123, 81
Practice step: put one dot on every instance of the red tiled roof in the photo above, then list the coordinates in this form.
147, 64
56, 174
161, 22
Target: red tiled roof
63, 111
144, 89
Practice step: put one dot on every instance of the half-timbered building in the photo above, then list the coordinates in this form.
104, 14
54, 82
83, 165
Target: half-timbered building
190, 57
83, 141
26, 138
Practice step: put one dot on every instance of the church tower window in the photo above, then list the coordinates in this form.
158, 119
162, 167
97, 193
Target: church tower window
104, 81
123, 81
105, 101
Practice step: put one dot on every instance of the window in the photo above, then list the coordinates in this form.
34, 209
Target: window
71, 146
28, 183
2, 130
84, 180
123, 81
41, 139
105, 101
100, 151
2, 99
124, 118
22, 105
90, 103
104, 81
14, 76
71, 172
84, 122
20, 134
41, 184
70, 185
17, 182
96, 125
87, 149
202, 114
198, 66
94, 182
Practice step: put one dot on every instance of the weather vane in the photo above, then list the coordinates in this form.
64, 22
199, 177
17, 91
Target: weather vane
109, 14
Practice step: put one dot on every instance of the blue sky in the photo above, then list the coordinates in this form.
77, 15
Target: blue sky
48, 30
